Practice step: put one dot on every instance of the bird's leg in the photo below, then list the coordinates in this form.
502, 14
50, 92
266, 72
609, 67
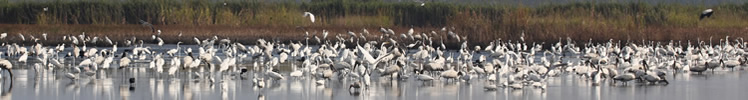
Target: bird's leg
11, 76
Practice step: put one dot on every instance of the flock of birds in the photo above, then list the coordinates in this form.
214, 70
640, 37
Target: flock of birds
363, 57
501, 64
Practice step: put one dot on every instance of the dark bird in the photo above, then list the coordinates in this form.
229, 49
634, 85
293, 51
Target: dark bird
707, 13
132, 81
144, 23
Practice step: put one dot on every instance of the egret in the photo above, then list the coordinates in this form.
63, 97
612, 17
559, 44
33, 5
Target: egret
197, 41
310, 15
44, 35
106, 39
160, 42
24, 57
171, 52
21, 36
3, 35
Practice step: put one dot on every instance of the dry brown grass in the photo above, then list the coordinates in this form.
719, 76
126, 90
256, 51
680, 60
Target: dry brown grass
249, 34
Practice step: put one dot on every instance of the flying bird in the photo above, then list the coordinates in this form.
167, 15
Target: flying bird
707, 13
311, 16
144, 23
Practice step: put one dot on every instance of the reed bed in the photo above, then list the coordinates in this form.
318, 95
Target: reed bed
249, 20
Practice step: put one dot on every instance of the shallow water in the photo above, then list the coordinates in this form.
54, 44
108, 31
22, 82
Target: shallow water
112, 84
716, 86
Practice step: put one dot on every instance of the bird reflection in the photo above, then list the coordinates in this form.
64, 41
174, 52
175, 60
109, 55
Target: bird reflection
224, 90
71, 86
174, 89
131, 81
124, 91
6, 95
260, 97
187, 89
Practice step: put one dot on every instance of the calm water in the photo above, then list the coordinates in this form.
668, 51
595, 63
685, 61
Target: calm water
112, 85
720, 85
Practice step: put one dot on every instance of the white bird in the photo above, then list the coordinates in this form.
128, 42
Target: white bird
296, 73
159, 63
94, 40
197, 41
91, 52
106, 39
171, 52
187, 60
160, 42
107, 62
175, 62
324, 34
44, 35
124, 61
274, 75
229, 61
310, 15
424, 77
24, 57
128, 43
367, 79
87, 63
21, 36
3, 35
195, 63
6, 65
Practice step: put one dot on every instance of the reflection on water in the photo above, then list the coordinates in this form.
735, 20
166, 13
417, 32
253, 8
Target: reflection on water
113, 84
27, 86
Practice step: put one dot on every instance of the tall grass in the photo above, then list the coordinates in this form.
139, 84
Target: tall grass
329, 12
547, 22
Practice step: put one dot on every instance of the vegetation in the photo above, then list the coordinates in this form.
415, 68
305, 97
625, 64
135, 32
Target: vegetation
546, 22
